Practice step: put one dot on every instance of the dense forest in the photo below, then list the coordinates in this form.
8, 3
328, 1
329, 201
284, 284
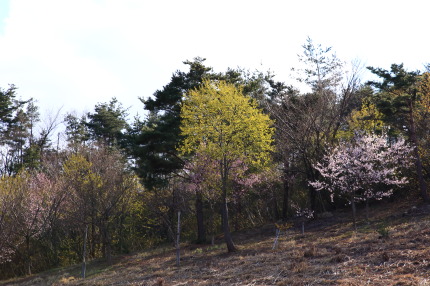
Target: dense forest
216, 151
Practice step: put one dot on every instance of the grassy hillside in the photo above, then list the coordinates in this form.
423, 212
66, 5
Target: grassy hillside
392, 249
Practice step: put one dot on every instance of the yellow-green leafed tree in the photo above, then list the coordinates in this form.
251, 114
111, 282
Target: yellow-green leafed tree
83, 185
368, 119
100, 189
219, 121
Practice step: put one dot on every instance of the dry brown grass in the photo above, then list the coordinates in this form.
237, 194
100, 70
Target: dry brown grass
329, 253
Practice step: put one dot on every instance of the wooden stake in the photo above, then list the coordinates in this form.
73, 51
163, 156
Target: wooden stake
178, 252
84, 264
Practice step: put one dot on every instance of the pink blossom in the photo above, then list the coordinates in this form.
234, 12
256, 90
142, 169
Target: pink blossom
355, 168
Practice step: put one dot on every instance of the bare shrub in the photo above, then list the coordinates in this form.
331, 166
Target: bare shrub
310, 252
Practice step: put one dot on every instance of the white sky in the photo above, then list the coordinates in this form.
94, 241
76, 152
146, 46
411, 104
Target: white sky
78, 53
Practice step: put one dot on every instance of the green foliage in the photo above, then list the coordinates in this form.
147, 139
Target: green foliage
17, 125
80, 176
76, 130
154, 147
322, 69
101, 191
153, 142
108, 122
383, 231
398, 99
219, 121
8, 106
397, 95
367, 119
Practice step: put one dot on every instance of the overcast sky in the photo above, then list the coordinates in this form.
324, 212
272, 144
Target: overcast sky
77, 53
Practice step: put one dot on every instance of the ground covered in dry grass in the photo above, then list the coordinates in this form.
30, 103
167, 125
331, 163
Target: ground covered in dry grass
392, 249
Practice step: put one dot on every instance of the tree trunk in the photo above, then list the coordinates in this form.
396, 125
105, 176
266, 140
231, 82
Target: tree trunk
422, 182
313, 198
312, 193
276, 213
224, 209
92, 243
286, 195
237, 216
367, 210
201, 231
122, 246
178, 243
28, 255
212, 224
226, 227
107, 248
354, 212
84, 253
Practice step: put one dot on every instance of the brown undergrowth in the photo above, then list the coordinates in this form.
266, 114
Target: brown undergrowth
393, 248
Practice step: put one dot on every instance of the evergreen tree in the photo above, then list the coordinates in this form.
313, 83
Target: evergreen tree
8, 107
397, 99
155, 147
76, 130
108, 122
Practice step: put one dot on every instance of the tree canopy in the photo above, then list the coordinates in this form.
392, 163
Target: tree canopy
220, 122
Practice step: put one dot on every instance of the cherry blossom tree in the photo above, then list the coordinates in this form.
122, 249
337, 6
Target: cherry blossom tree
36, 206
354, 169
302, 215
25, 208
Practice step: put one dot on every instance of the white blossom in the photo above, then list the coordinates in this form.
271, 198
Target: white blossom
356, 168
